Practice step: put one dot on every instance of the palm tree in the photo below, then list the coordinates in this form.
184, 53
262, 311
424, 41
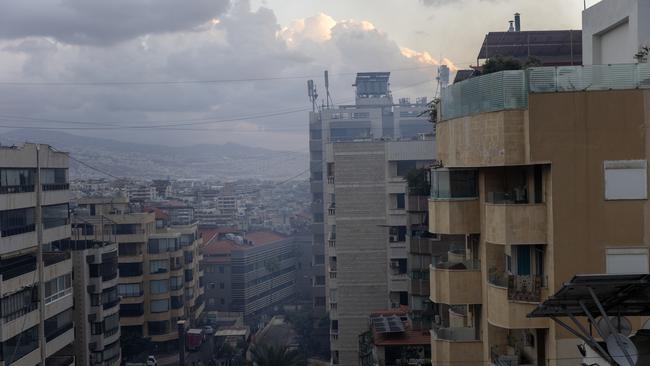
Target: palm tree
277, 355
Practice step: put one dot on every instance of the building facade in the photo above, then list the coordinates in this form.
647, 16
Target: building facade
546, 183
36, 291
373, 116
366, 256
251, 274
159, 274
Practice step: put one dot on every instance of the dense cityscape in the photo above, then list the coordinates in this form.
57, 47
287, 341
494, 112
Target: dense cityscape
499, 218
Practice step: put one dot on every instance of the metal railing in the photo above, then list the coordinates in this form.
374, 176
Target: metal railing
16, 189
56, 186
509, 89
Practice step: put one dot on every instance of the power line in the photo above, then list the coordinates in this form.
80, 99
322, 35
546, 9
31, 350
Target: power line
174, 126
186, 82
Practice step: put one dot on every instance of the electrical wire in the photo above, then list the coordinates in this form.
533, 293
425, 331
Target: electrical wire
186, 82
177, 125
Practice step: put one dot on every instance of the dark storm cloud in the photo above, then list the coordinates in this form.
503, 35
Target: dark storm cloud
102, 22
240, 44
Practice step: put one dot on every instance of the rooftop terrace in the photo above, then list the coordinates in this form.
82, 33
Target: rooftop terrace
510, 89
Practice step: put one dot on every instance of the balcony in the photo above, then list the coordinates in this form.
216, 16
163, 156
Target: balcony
457, 346
454, 216
56, 187
16, 189
511, 298
419, 287
330, 179
456, 283
511, 223
509, 89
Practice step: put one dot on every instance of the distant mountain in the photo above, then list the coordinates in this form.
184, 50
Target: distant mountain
133, 160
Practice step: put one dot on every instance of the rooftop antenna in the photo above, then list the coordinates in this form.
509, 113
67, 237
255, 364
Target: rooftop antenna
313, 95
328, 98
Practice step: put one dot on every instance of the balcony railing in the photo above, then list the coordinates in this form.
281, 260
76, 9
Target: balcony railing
18, 230
330, 179
455, 334
56, 187
509, 89
527, 288
16, 189
472, 264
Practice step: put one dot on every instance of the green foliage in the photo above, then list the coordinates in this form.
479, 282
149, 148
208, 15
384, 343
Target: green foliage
418, 183
133, 346
642, 55
309, 331
274, 355
432, 110
500, 63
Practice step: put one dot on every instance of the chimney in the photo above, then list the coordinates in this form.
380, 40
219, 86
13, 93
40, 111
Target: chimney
511, 28
517, 22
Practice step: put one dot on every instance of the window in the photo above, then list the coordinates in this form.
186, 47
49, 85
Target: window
14, 222
125, 229
127, 310
316, 134
54, 179
454, 184
158, 286
221, 269
176, 283
397, 234
108, 268
159, 306
19, 303
96, 328
130, 249
58, 288
405, 166
625, 179
110, 297
222, 285
627, 260
16, 180
58, 324
130, 269
20, 345
177, 302
55, 215
130, 289
158, 328
320, 280
399, 201
162, 245
158, 266
111, 324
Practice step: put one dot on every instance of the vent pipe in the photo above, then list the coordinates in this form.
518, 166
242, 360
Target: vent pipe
517, 22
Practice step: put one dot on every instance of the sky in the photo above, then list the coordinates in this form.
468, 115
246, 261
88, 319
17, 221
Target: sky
217, 71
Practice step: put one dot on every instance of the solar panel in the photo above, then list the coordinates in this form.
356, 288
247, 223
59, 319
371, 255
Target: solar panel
387, 324
620, 295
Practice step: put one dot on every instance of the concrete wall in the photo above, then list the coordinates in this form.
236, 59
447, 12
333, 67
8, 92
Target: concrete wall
613, 31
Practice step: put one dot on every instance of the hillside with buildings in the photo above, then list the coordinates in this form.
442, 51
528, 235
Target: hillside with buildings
130, 160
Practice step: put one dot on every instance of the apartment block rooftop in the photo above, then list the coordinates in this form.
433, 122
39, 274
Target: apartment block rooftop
510, 89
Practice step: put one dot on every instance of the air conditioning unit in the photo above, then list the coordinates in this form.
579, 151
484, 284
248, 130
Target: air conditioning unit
394, 238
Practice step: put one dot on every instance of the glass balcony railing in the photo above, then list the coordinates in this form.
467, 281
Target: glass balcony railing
509, 89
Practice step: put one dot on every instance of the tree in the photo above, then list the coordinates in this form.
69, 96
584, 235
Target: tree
642, 55
277, 355
500, 63
417, 182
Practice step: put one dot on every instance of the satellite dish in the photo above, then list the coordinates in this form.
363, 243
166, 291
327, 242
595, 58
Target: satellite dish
620, 323
646, 325
618, 346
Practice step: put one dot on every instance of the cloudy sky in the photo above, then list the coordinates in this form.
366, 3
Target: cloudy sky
215, 71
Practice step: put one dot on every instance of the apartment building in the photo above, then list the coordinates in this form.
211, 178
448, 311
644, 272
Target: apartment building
251, 274
96, 300
366, 256
374, 115
546, 175
36, 292
159, 278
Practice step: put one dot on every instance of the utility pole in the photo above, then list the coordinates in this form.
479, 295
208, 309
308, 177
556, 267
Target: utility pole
40, 267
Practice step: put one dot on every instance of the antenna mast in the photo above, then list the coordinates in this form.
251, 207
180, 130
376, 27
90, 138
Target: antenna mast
312, 94
328, 98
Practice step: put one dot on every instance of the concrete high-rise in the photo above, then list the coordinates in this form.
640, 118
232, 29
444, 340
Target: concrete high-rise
374, 132
36, 291
545, 172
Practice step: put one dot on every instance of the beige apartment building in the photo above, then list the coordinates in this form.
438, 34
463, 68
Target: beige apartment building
544, 171
36, 294
366, 231
159, 277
